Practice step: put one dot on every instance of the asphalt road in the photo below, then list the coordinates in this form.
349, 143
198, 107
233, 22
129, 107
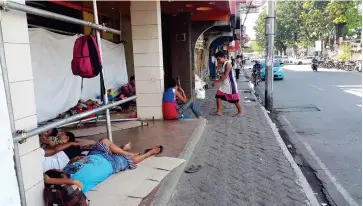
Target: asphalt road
322, 113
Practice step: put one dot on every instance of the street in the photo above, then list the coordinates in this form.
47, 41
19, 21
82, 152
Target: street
321, 112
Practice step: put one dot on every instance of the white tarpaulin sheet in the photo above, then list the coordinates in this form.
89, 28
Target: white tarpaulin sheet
56, 88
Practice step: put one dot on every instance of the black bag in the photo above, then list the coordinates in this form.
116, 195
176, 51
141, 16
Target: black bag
64, 195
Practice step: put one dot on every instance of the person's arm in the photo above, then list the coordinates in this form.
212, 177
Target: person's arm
181, 97
76, 158
226, 73
62, 181
50, 152
181, 91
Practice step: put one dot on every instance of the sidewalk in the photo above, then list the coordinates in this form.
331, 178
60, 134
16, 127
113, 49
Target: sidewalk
244, 163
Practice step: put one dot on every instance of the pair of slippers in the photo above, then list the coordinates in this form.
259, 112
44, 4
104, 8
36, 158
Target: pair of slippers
160, 147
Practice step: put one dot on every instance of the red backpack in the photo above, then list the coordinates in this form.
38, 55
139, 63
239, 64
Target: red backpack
86, 60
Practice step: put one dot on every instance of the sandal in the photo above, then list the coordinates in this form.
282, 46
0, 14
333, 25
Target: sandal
193, 169
161, 150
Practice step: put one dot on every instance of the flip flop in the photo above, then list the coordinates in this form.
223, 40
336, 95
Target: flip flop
161, 149
193, 169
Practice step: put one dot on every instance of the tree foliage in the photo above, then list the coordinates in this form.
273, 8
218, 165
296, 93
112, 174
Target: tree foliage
260, 30
304, 22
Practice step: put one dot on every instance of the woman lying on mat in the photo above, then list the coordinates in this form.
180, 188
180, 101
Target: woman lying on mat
102, 161
70, 151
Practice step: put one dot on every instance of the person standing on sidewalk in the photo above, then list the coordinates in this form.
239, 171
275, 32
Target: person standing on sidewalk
228, 90
238, 65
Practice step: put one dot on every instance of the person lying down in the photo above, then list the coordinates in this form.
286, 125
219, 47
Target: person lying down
102, 161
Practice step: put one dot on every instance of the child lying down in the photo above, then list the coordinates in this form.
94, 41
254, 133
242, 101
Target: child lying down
102, 161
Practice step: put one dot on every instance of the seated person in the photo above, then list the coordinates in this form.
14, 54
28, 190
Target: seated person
59, 156
170, 97
128, 90
102, 161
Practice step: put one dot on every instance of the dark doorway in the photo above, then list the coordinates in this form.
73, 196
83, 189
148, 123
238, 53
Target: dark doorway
166, 27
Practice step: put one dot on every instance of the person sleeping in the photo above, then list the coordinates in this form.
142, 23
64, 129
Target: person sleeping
103, 160
59, 156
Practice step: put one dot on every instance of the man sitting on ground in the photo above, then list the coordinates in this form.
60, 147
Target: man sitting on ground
128, 90
102, 161
170, 97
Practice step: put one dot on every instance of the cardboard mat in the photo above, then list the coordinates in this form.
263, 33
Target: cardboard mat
102, 129
129, 187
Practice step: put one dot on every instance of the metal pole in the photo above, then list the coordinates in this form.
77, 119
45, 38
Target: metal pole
18, 171
270, 37
102, 76
21, 137
39, 12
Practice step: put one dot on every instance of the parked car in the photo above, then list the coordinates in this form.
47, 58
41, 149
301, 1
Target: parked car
278, 58
304, 60
277, 68
285, 59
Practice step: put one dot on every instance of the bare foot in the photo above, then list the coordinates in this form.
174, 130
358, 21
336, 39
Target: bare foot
127, 146
239, 115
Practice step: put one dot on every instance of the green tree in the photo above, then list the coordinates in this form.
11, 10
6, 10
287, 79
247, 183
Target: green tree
346, 15
260, 30
288, 25
315, 20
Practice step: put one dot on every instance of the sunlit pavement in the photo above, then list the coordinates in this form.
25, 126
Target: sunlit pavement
331, 136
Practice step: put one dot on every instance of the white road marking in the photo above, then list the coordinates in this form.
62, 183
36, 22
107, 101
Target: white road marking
359, 105
316, 87
356, 93
337, 185
349, 86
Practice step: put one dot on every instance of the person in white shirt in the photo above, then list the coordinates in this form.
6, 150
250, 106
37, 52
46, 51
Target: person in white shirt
57, 158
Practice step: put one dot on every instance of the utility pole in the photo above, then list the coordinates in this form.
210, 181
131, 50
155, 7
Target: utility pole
270, 38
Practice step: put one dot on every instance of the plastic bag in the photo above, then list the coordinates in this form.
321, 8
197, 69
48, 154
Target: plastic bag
199, 88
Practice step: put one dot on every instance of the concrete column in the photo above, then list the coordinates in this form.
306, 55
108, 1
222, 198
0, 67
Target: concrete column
148, 57
17, 59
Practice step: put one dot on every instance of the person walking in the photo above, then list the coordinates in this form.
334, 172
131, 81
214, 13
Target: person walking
228, 91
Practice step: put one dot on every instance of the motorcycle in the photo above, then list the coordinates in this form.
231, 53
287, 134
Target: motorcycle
314, 66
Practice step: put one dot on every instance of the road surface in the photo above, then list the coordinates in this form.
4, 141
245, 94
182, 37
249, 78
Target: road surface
322, 114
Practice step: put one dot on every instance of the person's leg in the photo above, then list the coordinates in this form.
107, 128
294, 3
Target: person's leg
195, 109
239, 109
191, 105
113, 148
219, 105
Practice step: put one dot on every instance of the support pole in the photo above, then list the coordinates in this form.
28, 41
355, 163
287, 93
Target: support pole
102, 76
22, 137
270, 38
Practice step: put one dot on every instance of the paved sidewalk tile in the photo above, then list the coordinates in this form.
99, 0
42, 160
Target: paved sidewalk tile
243, 164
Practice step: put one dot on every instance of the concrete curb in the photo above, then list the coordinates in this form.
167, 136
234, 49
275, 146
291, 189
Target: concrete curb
169, 184
301, 178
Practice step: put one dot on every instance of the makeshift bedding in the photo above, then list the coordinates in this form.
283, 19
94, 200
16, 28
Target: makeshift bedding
56, 88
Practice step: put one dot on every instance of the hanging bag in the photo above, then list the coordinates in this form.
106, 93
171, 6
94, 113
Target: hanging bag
86, 60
